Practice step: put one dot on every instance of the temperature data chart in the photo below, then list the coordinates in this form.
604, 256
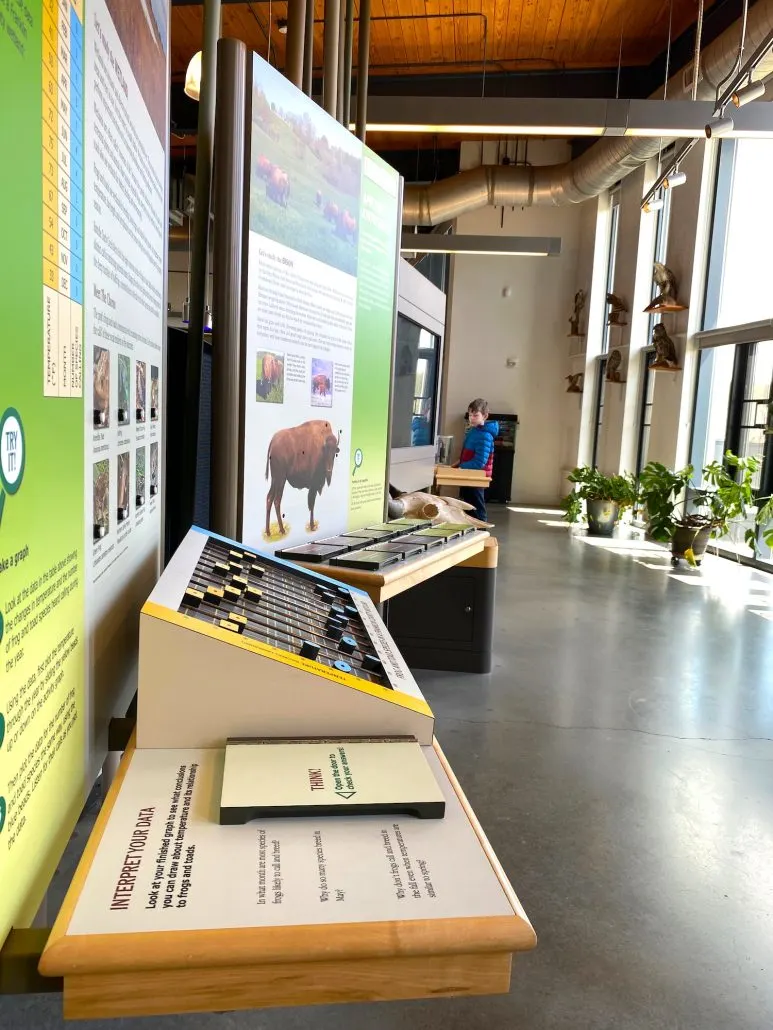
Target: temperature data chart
62, 54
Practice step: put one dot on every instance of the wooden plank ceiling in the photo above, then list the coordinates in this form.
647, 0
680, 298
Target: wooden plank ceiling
426, 36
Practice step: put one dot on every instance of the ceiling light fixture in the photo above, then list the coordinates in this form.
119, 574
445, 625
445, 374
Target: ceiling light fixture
655, 204
674, 178
192, 86
502, 246
745, 94
719, 126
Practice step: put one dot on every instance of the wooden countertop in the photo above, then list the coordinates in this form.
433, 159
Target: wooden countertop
395, 579
447, 475
182, 961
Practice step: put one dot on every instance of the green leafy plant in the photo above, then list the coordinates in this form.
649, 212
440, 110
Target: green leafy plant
673, 502
592, 485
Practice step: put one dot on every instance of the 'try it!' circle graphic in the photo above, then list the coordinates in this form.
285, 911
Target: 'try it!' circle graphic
12, 450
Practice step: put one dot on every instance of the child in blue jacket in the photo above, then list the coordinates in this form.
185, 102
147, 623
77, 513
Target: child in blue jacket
478, 453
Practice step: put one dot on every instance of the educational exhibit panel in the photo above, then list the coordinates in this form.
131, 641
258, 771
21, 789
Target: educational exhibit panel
67, 279
235, 644
126, 129
317, 337
165, 863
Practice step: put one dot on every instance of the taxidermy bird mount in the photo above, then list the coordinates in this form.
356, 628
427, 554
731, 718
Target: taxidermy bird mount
575, 382
614, 361
665, 351
574, 318
617, 309
666, 300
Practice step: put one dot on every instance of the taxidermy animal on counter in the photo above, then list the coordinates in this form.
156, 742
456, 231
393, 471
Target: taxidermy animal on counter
574, 318
666, 300
575, 382
665, 351
614, 361
617, 309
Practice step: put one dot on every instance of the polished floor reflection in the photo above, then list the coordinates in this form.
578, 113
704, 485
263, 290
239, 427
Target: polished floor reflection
620, 758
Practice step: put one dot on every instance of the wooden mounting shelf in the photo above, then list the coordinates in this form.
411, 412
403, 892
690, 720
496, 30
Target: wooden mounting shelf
664, 309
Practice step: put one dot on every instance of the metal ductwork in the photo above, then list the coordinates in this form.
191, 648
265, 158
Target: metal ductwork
598, 168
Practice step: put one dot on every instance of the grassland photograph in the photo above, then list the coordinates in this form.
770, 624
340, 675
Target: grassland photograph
141, 397
124, 389
139, 476
305, 174
270, 378
124, 477
101, 388
101, 495
154, 468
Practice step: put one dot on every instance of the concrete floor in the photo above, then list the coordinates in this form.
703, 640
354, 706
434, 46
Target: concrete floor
619, 758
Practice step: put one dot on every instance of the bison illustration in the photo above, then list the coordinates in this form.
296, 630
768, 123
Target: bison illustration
302, 456
278, 186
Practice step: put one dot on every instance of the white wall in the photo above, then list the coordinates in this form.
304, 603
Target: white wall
531, 325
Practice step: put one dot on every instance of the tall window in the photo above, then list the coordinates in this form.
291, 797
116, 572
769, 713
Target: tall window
663, 216
601, 382
733, 409
614, 224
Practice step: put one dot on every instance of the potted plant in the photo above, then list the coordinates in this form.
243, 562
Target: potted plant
605, 497
690, 517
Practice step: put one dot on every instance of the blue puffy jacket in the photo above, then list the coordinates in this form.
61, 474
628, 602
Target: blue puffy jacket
478, 448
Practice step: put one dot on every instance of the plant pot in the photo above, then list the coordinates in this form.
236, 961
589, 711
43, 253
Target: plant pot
602, 517
685, 539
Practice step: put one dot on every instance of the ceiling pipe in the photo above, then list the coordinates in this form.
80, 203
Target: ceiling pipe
600, 167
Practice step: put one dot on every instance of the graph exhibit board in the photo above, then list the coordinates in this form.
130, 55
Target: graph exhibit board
321, 257
51, 272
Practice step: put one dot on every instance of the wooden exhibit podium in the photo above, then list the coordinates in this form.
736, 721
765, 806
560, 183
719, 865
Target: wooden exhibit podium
281, 912
170, 911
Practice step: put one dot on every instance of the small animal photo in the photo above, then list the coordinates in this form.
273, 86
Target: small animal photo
154, 393
124, 389
139, 476
142, 394
124, 482
101, 388
321, 383
270, 378
101, 492
153, 469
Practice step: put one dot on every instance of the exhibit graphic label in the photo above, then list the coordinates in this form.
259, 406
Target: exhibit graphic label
322, 241
41, 444
67, 64
164, 863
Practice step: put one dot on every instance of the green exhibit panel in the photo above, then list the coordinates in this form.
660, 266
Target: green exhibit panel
83, 273
234, 643
321, 240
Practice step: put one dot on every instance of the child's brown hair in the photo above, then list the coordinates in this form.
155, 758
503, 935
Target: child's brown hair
479, 405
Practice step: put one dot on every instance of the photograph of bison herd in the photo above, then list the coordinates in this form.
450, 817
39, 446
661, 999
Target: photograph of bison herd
304, 179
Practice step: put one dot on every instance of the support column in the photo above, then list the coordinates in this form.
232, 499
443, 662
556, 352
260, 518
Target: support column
330, 62
227, 295
308, 53
341, 59
199, 250
296, 29
363, 61
348, 47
